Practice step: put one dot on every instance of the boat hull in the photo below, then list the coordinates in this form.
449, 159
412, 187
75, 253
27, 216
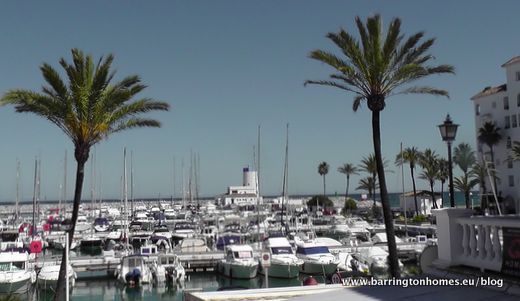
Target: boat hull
238, 271
18, 285
280, 270
318, 268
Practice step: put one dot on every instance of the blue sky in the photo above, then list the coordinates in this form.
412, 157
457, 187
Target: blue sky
228, 66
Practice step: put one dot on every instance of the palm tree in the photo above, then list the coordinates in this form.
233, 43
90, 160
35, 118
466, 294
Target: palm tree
515, 151
369, 165
442, 176
489, 134
367, 184
465, 183
87, 109
373, 69
348, 169
411, 156
481, 173
464, 157
429, 162
323, 170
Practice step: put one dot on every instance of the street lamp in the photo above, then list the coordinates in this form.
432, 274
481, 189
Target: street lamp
448, 132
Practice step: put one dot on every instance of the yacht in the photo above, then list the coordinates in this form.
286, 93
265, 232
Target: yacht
182, 230
284, 263
15, 276
134, 270
175, 272
48, 276
239, 262
316, 257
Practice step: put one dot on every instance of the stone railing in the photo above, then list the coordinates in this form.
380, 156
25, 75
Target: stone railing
474, 241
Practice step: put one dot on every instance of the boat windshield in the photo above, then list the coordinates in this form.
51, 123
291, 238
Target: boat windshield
312, 250
183, 226
5, 266
281, 250
244, 254
18, 265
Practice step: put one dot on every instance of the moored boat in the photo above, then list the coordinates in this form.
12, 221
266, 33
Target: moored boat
239, 262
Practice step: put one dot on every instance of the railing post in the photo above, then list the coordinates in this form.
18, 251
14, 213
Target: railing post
450, 235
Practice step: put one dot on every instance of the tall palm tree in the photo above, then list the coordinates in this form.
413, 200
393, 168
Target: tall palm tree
369, 165
323, 170
367, 184
411, 156
429, 162
464, 157
489, 134
442, 176
374, 68
348, 169
88, 109
515, 151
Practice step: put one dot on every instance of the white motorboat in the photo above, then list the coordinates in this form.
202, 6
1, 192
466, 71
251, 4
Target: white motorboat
82, 224
183, 230
48, 276
15, 276
134, 270
175, 272
284, 263
195, 244
239, 262
316, 257
375, 258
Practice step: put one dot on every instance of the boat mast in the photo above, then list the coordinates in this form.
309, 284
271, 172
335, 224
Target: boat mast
64, 185
183, 190
38, 196
16, 209
33, 226
285, 173
258, 189
132, 183
125, 196
174, 185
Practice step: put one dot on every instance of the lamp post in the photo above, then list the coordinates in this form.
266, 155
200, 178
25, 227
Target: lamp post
448, 132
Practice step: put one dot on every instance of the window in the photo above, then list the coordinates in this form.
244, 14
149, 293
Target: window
508, 144
494, 104
506, 103
518, 75
513, 121
518, 100
509, 163
511, 181
507, 122
477, 109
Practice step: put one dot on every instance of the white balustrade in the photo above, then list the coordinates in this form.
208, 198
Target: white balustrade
471, 240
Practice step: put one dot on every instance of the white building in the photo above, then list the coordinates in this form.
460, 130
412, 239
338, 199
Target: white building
501, 105
247, 194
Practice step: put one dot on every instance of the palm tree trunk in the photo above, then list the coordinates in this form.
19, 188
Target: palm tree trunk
81, 157
493, 174
387, 213
346, 191
442, 194
434, 202
466, 196
324, 185
414, 192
